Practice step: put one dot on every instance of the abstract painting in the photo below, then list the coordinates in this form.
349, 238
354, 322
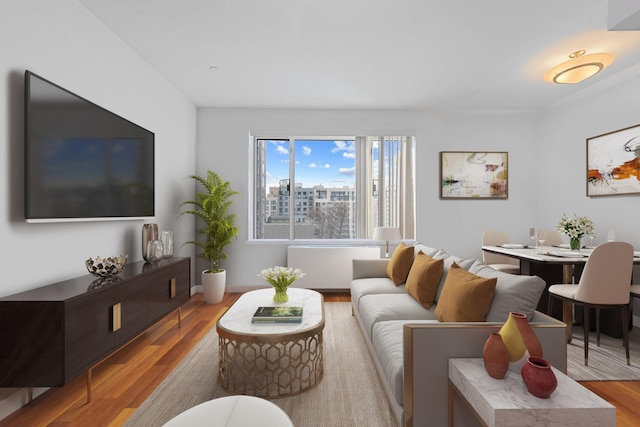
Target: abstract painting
613, 163
474, 175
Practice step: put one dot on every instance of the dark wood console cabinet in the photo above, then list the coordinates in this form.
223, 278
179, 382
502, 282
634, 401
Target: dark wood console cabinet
52, 334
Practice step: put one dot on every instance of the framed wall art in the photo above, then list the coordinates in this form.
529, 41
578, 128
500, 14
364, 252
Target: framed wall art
613, 163
474, 175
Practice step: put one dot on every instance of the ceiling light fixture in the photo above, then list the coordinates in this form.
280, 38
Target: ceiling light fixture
579, 67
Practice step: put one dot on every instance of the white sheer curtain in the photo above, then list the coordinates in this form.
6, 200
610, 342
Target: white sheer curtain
387, 197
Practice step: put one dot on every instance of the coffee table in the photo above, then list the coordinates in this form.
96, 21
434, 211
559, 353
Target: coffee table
273, 359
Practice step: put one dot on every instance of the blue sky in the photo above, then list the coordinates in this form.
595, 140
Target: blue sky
330, 163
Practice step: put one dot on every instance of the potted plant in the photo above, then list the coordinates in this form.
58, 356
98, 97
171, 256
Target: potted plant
211, 209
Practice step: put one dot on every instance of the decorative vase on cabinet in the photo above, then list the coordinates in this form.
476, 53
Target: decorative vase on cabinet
149, 232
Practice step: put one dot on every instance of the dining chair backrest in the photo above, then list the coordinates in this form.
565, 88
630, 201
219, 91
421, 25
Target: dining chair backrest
496, 238
552, 237
606, 278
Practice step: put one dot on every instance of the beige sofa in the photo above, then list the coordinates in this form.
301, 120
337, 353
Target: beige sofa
411, 348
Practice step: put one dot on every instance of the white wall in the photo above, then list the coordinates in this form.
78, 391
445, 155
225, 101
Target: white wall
456, 225
564, 131
64, 43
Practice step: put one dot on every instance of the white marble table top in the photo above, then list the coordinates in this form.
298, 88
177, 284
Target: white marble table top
237, 319
507, 402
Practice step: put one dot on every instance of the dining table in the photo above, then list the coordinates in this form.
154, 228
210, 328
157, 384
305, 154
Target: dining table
558, 264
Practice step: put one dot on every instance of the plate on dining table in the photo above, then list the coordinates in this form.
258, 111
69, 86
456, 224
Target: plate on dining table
513, 246
568, 254
636, 254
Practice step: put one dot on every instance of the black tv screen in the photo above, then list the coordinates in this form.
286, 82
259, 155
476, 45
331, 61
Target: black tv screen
83, 162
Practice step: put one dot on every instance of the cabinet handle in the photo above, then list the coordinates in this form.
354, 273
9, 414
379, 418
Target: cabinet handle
172, 290
117, 316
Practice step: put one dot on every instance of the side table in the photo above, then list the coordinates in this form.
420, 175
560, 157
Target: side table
507, 402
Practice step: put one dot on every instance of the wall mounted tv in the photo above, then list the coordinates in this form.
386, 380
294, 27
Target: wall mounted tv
82, 162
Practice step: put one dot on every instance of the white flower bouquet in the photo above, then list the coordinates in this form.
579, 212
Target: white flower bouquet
281, 278
575, 228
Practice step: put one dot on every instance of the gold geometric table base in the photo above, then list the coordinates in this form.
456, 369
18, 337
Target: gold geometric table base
270, 366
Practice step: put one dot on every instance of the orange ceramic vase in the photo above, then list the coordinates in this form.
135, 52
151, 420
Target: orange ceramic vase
529, 337
495, 356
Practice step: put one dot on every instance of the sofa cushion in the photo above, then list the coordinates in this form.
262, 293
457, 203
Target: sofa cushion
427, 250
400, 264
424, 278
382, 307
465, 297
387, 344
514, 292
448, 261
372, 286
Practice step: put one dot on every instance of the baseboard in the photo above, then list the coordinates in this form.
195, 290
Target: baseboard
16, 398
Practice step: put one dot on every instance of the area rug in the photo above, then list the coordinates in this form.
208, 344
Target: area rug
349, 394
607, 362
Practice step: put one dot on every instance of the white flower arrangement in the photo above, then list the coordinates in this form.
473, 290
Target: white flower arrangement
281, 277
576, 227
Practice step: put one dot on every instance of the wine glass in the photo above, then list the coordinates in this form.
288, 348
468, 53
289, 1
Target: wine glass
611, 236
532, 235
541, 239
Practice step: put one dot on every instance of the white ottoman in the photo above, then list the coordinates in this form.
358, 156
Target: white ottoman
233, 411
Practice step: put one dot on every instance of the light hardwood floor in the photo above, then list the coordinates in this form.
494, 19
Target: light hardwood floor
122, 382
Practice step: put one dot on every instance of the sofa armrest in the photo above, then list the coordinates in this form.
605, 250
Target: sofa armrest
365, 268
428, 348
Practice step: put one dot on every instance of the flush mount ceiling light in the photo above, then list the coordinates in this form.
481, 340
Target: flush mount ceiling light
579, 67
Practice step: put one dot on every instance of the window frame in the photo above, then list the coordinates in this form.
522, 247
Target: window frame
254, 171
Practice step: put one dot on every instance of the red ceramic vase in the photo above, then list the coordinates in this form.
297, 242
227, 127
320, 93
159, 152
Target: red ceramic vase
539, 377
495, 356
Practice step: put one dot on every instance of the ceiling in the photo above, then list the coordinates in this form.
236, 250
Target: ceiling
444, 54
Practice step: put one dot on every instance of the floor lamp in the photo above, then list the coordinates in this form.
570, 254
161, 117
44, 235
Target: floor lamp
386, 234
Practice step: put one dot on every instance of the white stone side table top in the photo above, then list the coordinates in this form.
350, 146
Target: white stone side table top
507, 402
237, 318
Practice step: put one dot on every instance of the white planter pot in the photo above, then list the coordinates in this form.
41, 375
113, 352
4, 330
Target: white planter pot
213, 285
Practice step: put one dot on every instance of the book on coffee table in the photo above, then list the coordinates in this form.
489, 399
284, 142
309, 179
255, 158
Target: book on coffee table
278, 315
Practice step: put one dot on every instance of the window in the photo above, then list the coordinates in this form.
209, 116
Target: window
337, 188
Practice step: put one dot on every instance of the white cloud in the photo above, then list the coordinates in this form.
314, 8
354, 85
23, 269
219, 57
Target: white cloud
306, 150
282, 149
348, 146
349, 155
325, 166
347, 171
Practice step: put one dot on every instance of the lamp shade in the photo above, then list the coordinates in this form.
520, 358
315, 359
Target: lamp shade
386, 233
579, 67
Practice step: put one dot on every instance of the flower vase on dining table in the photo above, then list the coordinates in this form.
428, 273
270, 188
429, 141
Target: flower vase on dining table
574, 243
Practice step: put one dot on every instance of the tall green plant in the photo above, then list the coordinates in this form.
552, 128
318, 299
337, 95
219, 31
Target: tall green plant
211, 208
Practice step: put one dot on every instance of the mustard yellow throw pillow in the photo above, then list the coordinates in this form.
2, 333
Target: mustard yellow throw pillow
465, 297
424, 277
400, 264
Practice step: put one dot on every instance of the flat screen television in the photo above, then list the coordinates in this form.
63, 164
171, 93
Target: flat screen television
83, 162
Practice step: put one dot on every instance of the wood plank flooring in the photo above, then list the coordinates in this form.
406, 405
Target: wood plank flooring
122, 382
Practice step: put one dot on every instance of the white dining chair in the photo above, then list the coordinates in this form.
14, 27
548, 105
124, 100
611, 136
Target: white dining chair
605, 284
552, 237
497, 261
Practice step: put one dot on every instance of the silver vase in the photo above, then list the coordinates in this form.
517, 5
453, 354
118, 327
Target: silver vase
149, 233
